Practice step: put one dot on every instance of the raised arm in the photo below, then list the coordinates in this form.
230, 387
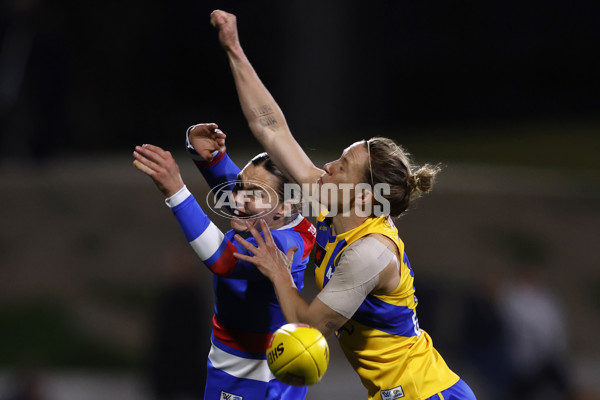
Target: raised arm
212, 246
205, 143
207, 240
265, 118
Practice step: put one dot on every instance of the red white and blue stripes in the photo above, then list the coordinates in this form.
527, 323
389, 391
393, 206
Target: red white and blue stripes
211, 245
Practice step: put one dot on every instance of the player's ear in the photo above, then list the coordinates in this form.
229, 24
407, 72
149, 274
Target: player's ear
284, 209
363, 194
363, 200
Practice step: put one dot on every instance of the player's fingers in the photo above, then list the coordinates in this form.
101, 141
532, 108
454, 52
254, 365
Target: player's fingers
155, 149
217, 136
219, 139
267, 232
205, 126
246, 244
145, 159
206, 154
143, 168
149, 153
255, 234
244, 257
217, 16
213, 18
290, 254
139, 157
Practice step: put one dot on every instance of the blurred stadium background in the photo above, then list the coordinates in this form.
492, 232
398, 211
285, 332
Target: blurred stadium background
100, 296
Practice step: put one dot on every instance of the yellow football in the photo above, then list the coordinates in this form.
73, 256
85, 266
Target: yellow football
298, 354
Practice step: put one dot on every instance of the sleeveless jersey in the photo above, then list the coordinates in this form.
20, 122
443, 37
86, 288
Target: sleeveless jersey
382, 341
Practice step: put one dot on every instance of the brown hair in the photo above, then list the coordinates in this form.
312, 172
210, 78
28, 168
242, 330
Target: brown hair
265, 161
389, 163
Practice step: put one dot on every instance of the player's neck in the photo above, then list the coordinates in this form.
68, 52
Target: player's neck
343, 223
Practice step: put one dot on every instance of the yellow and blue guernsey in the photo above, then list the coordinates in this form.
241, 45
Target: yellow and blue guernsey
393, 357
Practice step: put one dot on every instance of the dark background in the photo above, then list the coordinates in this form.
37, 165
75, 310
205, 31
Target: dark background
100, 296
104, 76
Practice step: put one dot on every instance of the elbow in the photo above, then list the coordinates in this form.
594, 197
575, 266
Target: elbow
261, 132
257, 129
222, 269
224, 264
327, 329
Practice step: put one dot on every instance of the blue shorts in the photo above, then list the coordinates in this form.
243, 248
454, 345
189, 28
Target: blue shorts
459, 391
235, 375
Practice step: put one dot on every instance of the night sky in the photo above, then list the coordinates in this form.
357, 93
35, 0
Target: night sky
104, 76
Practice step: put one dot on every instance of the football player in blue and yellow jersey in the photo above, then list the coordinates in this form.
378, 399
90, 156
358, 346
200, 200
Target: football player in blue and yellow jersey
368, 296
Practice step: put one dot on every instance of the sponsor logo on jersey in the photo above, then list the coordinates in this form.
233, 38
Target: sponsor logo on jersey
392, 394
229, 396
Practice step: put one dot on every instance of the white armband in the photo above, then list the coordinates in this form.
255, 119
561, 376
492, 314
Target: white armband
178, 197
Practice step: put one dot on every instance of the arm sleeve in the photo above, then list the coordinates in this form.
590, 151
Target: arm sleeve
356, 275
214, 247
216, 172
211, 245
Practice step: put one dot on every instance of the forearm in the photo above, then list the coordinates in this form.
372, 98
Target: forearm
295, 309
293, 306
265, 118
209, 243
267, 122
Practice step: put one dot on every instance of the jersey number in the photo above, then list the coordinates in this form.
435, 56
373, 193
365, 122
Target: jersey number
329, 272
416, 324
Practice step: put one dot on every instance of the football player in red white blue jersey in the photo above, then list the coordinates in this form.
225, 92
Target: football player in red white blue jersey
246, 309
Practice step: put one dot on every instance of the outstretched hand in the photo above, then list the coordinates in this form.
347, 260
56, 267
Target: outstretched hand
206, 138
159, 165
268, 258
226, 24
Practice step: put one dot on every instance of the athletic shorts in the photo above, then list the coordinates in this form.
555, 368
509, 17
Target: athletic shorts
459, 391
235, 375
